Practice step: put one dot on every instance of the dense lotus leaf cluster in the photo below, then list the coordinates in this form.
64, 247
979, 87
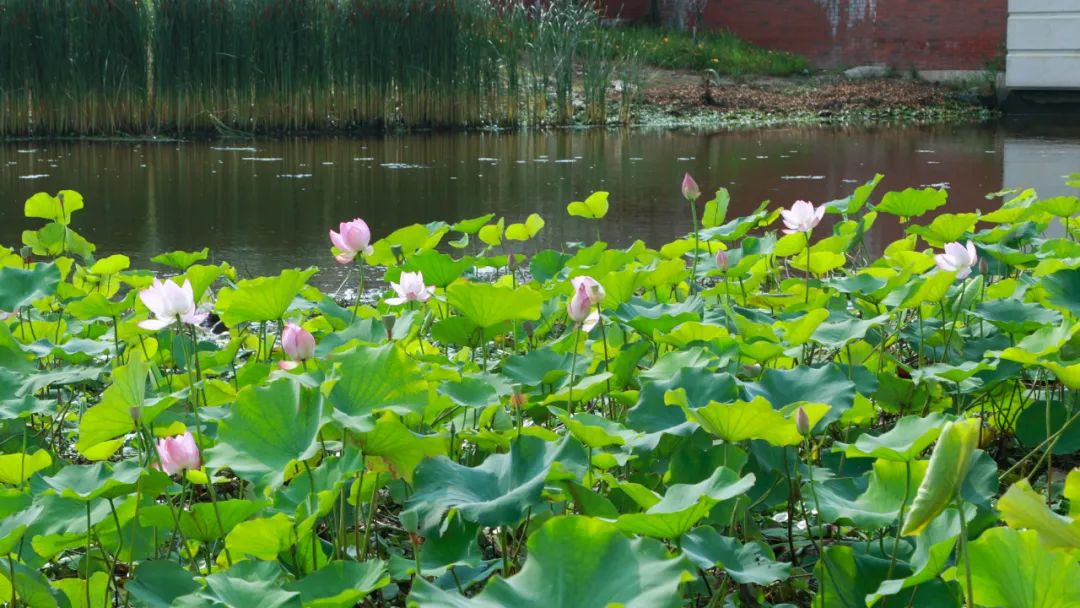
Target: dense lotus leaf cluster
766, 411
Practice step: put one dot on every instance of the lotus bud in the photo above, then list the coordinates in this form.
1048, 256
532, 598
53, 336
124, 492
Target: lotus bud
802, 422
722, 260
518, 399
297, 342
690, 190
178, 453
388, 323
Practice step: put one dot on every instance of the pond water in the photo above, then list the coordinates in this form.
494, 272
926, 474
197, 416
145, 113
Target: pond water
264, 205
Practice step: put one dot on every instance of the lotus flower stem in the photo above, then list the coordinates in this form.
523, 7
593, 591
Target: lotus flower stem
573, 368
963, 553
900, 523
956, 319
372, 506
693, 264
359, 287
315, 509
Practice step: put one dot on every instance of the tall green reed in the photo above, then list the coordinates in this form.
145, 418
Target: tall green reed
184, 66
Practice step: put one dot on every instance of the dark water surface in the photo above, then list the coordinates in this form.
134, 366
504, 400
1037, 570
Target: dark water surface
264, 205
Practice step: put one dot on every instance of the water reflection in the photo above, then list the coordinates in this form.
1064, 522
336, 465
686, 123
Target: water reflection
268, 204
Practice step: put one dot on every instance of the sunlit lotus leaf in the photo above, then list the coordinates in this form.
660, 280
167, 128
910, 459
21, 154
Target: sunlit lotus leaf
737, 228
96, 306
854, 203
1072, 492
749, 564
576, 562
879, 504
946, 228
499, 491
743, 421
526, 230
261, 299
411, 239
1023, 508
948, 466
911, 202
262, 538
18, 467
596, 431
470, 226
374, 378
201, 521
112, 417
694, 331
1059, 206
821, 262
20, 287
75, 589
585, 389
181, 260
931, 288
594, 207
492, 234
202, 276
797, 332
487, 305
790, 244
111, 265
1014, 569
700, 386
54, 239
341, 584
716, 210
1042, 343
905, 441
397, 449
266, 429
33, 589
683, 505
54, 208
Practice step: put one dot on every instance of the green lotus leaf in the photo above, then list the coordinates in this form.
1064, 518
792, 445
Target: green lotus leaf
75, 589
112, 417
1021, 507
399, 447
827, 384
716, 210
651, 319
847, 577
749, 564
111, 265
17, 468
96, 306
911, 202
1059, 206
499, 491
87, 482
1016, 317
340, 584
487, 305
266, 429
945, 473
700, 385
20, 287
1013, 568
201, 521
54, 208
1063, 289
946, 228
55, 239
246, 584
1031, 426
933, 553
470, 226
747, 420
547, 264
470, 392
594, 207
439, 269
378, 378
492, 234
181, 260
262, 299
683, 505
908, 438
158, 583
877, 506
32, 588
576, 562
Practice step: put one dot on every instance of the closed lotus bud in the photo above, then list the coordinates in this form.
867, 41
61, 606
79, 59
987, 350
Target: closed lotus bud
802, 422
690, 190
721, 260
388, 323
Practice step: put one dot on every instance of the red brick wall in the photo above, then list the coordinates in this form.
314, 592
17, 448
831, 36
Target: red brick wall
925, 34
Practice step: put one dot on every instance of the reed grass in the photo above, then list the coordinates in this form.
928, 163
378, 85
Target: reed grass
190, 66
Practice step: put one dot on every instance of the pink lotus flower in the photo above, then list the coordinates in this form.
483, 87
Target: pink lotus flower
352, 239
802, 217
410, 288
721, 260
957, 258
580, 304
802, 422
178, 453
690, 190
298, 344
592, 287
169, 302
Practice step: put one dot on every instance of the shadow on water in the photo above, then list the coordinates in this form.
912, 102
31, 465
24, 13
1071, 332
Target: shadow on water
267, 204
